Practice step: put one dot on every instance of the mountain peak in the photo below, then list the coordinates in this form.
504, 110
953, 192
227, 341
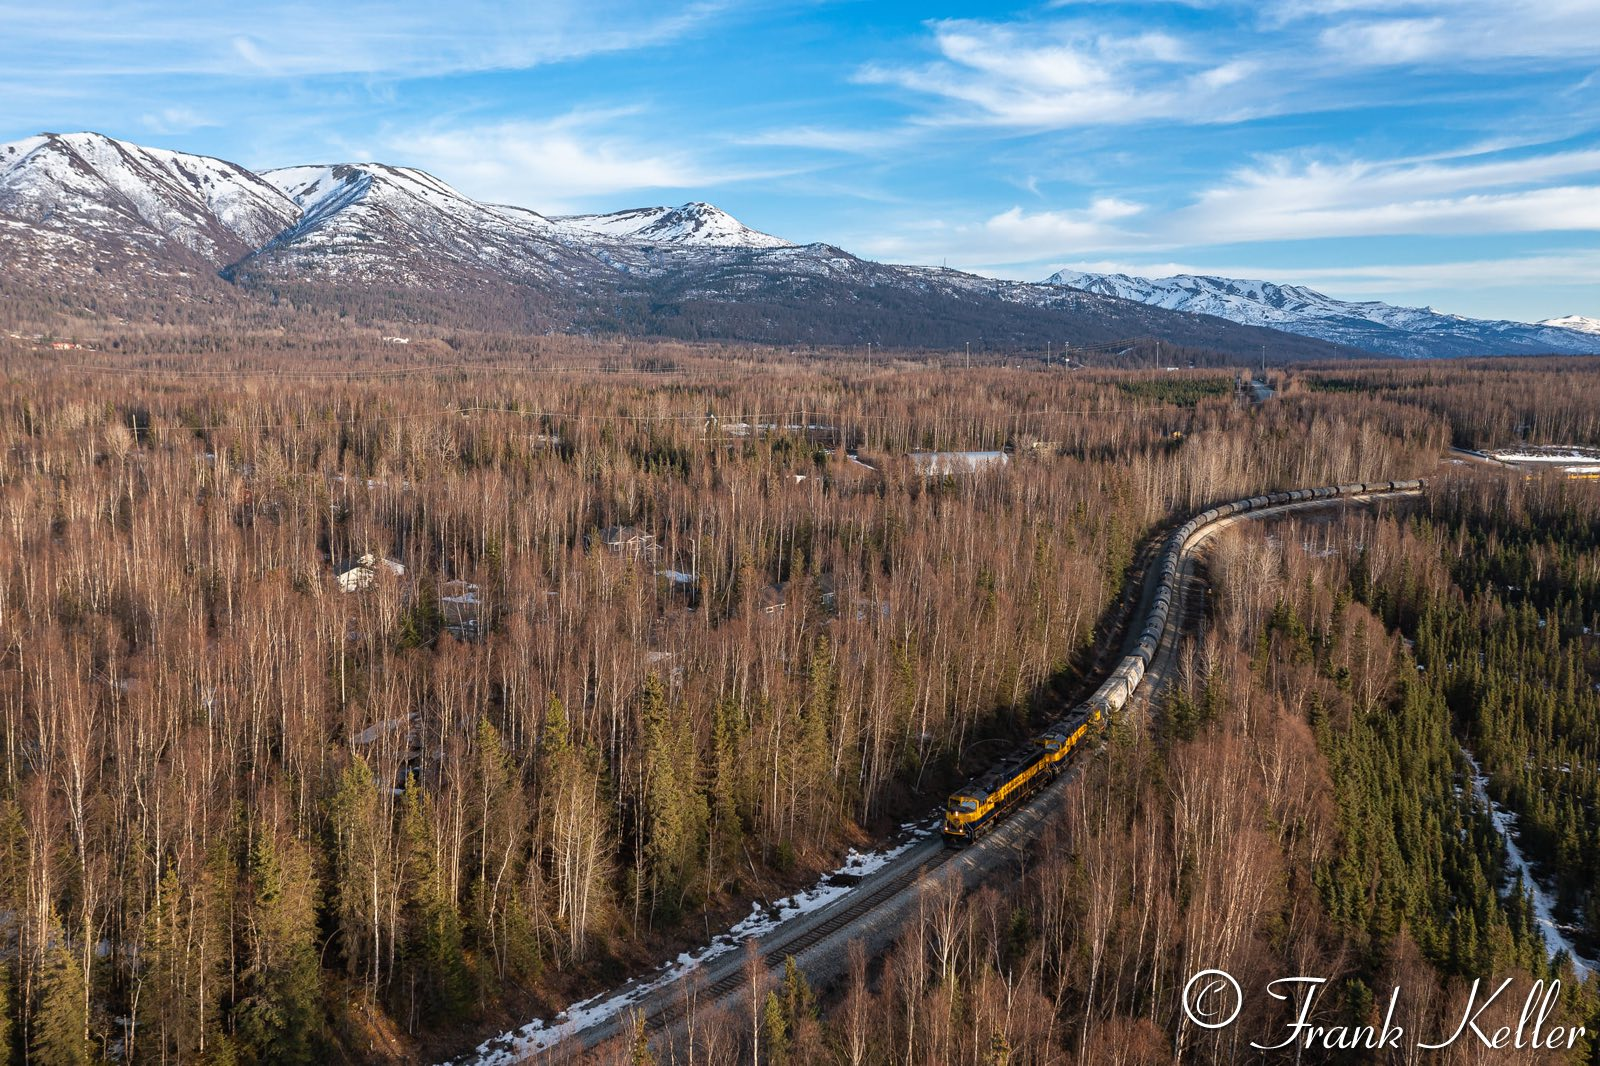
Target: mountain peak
402, 226
1581, 323
693, 223
125, 201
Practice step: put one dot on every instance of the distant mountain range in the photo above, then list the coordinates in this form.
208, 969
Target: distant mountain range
102, 224
1410, 332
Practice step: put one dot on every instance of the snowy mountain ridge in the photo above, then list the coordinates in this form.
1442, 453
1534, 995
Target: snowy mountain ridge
83, 213
1410, 332
1581, 323
696, 223
78, 206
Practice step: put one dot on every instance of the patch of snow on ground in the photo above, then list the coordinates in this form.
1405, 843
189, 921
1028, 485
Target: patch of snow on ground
1555, 938
540, 1035
935, 463
1548, 455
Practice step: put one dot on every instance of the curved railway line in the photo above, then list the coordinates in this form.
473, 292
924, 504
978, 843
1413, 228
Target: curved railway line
1171, 605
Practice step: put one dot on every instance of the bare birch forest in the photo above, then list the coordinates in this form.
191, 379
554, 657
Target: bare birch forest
352, 702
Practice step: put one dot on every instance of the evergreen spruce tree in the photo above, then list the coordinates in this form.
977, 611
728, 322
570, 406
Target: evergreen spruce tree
726, 839
60, 1026
674, 808
799, 1004
437, 981
279, 1013
7, 1031
775, 1030
354, 823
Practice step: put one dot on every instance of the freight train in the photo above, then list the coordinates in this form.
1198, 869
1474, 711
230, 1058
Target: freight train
987, 799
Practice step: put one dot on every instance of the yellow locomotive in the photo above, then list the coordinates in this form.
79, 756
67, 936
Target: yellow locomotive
975, 809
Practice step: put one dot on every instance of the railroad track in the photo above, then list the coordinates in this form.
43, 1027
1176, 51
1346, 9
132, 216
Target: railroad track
783, 947
874, 911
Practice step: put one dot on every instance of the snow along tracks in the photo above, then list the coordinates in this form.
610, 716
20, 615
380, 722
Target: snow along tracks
892, 889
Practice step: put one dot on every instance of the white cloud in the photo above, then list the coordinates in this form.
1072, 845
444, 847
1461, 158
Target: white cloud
1459, 34
822, 138
175, 120
1375, 280
378, 38
1280, 200
1386, 41
1097, 68
1052, 75
567, 163
1014, 235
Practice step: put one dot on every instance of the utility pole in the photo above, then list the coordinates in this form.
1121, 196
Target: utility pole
969, 355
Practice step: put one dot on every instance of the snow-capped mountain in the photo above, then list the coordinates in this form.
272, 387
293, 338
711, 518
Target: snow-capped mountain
691, 224
1413, 332
400, 226
1581, 323
108, 223
79, 203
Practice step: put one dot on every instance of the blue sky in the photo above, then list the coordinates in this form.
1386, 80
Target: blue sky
1444, 152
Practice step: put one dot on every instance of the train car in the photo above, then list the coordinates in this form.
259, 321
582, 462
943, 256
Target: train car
985, 800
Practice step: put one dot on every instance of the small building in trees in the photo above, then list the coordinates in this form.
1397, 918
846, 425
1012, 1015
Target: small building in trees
773, 598
363, 573
459, 605
630, 540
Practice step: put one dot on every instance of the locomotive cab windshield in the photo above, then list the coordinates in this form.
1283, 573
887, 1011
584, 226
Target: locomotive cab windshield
961, 805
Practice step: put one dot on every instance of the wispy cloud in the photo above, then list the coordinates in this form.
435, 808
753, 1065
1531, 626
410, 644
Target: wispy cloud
1068, 73
178, 119
1279, 199
1458, 33
571, 162
1090, 68
1383, 280
822, 138
1282, 200
1014, 235
283, 38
